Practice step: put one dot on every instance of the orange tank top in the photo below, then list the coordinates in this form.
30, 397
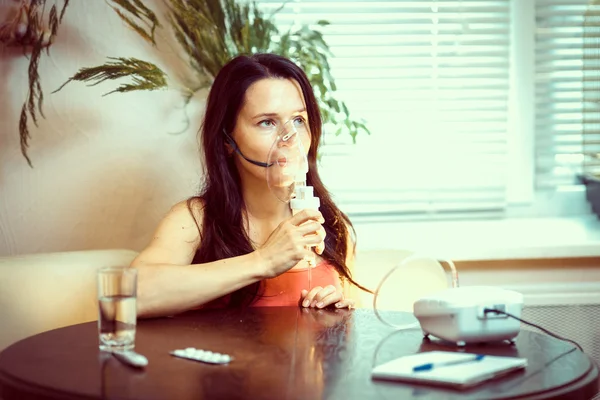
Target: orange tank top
286, 289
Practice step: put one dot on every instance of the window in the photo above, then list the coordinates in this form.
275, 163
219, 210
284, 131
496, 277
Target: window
444, 87
591, 88
559, 91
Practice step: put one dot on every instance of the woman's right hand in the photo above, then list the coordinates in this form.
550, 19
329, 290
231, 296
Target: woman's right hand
290, 242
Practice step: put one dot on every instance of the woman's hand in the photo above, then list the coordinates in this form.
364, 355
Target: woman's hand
290, 242
320, 297
312, 318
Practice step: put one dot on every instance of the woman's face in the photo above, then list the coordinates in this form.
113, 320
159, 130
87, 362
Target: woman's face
271, 106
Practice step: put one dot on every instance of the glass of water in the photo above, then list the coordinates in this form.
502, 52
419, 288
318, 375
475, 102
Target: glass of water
117, 292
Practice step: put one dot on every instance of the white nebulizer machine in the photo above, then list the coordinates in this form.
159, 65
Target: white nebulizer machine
463, 315
287, 174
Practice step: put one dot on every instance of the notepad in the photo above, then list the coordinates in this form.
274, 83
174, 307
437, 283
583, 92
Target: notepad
447, 369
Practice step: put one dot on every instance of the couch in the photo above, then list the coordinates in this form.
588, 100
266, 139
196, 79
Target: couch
40, 292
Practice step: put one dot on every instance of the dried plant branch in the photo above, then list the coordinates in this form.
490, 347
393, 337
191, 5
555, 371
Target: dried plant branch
145, 75
138, 10
26, 29
54, 20
62, 11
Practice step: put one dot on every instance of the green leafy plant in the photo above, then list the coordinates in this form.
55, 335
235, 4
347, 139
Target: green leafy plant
33, 29
210, 33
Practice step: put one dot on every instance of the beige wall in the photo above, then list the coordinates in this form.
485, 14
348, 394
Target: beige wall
106, 169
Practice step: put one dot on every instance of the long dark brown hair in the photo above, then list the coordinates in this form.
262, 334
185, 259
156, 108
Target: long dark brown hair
223, 234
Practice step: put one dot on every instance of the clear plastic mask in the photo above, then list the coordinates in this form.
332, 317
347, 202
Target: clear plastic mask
287, 159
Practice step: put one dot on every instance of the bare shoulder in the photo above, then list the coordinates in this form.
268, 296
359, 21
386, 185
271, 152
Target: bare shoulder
187, 211
177, 236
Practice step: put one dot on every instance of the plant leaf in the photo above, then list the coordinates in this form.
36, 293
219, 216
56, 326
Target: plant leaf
62, 12
138, 29
139, 11
24, 133
34, 93
145, 75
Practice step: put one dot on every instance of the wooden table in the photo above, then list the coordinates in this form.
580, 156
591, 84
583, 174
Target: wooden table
280, 353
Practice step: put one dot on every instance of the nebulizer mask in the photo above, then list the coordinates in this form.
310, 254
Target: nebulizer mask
287, 173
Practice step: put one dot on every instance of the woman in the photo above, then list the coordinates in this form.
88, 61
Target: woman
236, 243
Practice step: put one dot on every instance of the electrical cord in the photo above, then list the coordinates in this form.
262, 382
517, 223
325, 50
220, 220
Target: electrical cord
519, 382
546, 331
486, 311
538, 371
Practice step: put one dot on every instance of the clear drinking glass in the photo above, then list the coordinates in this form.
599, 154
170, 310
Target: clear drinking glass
117, 317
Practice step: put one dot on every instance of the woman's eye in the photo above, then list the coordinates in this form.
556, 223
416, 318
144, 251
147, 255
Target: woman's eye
267, 123
299, 121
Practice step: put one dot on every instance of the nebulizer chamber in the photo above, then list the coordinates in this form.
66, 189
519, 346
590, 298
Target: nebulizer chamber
287, 173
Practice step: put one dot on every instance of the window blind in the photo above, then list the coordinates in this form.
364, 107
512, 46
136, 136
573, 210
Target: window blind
591, 88
431, 80
559, 40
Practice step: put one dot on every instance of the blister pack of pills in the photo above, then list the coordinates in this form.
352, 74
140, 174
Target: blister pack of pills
204, 356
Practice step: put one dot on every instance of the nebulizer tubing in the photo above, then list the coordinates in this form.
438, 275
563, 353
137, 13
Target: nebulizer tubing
454, 282
399, 328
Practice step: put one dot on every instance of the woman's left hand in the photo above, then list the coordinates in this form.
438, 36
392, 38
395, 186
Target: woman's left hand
321, 297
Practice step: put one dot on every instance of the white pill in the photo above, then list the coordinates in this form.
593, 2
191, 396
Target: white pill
225, 358
179, 353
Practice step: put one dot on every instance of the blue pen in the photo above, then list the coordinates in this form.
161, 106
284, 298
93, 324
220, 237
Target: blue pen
430, 366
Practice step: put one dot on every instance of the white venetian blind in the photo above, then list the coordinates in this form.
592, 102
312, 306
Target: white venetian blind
591, 88
559, 43
430, 78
